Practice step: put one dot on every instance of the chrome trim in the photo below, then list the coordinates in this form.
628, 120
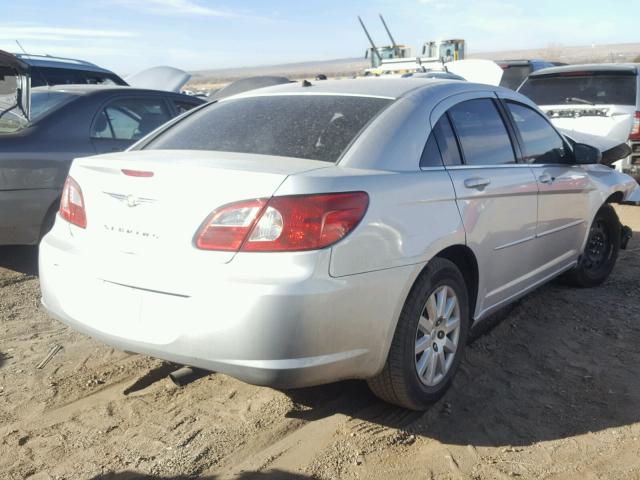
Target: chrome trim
558, 229
517, 242
432, 169
475, 167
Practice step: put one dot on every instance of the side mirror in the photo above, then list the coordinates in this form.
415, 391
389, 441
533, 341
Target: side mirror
586, 154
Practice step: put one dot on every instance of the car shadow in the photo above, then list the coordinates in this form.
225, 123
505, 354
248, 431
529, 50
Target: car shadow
563, 362
266, 475
21, 259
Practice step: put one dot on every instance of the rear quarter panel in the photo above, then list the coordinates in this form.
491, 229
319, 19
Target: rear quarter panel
410, 218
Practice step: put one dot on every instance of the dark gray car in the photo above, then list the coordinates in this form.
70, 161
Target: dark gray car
66, 122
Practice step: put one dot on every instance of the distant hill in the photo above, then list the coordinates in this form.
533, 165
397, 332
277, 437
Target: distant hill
623, 52
346, 67
331, 68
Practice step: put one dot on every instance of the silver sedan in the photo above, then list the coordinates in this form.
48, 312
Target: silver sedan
311, 232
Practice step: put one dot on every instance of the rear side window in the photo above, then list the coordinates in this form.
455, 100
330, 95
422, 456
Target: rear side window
314, 127
582, 88
441, 147
130, 118
542, 144
482, 134
431, 154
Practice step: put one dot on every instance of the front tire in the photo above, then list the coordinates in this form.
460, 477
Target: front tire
429, 340
601, 251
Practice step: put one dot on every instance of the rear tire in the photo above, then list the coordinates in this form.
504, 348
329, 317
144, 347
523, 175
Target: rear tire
429, 340
601, 251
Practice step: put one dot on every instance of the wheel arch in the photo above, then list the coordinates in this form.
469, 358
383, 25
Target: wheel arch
464, 258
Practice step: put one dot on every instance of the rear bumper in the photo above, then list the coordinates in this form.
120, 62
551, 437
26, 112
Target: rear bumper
288, 330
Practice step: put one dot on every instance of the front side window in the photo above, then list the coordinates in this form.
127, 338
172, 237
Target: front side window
314, 127
130, 118
541, 142
483, 137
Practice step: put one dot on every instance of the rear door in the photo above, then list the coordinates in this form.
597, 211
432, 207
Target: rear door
126, 119
563, 187
496, 196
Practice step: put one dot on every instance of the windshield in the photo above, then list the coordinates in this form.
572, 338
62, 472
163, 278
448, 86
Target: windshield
582, 88
314, 127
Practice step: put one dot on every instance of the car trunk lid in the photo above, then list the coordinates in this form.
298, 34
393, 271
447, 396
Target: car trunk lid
144, 208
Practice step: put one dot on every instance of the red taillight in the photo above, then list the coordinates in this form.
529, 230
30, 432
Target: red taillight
281, 224
635, 128
72, 204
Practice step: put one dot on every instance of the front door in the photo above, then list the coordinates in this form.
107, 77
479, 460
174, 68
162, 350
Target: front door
563, 190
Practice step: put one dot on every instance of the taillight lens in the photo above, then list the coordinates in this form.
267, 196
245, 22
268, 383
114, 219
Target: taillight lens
72, 204
283, 224
635, 129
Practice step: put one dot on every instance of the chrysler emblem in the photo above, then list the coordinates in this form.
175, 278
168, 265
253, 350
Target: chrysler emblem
130, 200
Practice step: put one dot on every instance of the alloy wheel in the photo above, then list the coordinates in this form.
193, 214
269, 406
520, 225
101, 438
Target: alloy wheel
437, 335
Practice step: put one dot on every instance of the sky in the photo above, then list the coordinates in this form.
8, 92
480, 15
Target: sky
130, 35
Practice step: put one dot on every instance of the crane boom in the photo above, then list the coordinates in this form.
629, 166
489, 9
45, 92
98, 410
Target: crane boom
374, 49
393, 42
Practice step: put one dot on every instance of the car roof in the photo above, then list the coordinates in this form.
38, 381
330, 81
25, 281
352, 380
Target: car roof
589, 67
391, 88
82, 89
59, 62
520, 61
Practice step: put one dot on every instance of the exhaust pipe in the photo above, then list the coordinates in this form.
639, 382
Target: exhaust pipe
186, 375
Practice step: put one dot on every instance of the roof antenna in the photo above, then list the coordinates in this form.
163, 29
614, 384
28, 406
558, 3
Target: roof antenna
44, 79
307, 83
21, 47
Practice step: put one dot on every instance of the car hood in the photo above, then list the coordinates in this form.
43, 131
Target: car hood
476, 70
160, 78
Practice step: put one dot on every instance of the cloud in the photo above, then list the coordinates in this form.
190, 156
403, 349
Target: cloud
39, 33
175, 7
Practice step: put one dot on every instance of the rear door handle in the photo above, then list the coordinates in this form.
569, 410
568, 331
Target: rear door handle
546, 178
477, 182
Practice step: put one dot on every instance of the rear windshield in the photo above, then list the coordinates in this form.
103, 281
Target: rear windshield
514, 75
45, 102
314, 127
580, 88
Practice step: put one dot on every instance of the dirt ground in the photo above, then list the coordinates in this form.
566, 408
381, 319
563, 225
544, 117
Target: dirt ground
551, 391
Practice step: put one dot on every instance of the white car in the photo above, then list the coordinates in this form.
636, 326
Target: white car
312, 232
599, 99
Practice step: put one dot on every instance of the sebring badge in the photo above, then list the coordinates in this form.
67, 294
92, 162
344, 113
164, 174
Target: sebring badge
130, 200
